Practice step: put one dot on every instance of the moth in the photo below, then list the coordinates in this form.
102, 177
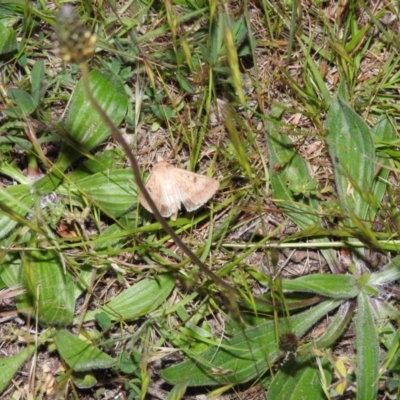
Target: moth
170, 187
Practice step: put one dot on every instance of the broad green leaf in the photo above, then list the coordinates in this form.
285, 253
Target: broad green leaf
79, 354
138, 300
10, 365
243, 357
329, 285
15, 203
352, 152
300, 379
383, 132
8, 42
37, 81
25, 104
290, 178
106, 160
84, 125
114, 191
293, 188
50, 290
83, 380
336, 327
367, 348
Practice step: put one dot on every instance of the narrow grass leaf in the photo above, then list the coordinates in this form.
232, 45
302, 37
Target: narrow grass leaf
79, 354
367, 348
319, 80
50, 290
300, 379
177, 392
352, 152
233, 62
333, 286
243, 357
140, 299
10, 365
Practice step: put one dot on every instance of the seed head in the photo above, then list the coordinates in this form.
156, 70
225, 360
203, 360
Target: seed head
76, 42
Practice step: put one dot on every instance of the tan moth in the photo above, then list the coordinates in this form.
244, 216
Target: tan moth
170, 187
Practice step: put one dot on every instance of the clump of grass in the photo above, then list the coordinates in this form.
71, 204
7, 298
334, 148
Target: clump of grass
291, 106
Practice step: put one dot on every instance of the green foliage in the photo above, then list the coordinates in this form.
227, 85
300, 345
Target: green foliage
294, 111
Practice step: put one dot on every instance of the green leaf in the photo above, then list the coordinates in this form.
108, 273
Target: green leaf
25, 104
114, 191
50, 290
352, 151
103, 321
290, 183
300, 379
244, 356
336, 327
37, 78
15, 203
367, 348
79, 354
329, 285
138, 300
383, 132
8, 42
389, 274
83, 123
83, 380
10, 365
177, 392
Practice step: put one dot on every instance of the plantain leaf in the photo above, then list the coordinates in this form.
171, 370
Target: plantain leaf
334, 286
84, 125
389, 274
383, 132
114, 191
10, 365
294, 191
8, 41
15, 203
352, 152
50, 291
367, 347
79, 354
25, 104
244, 356
300, 378
138, 300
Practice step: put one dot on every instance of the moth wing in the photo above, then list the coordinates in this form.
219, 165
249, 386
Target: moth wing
170, 203
194, 189
154, 190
